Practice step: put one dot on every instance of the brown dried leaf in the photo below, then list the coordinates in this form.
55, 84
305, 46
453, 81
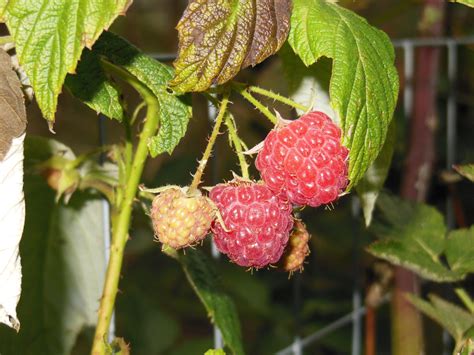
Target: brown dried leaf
217, 38
12, 105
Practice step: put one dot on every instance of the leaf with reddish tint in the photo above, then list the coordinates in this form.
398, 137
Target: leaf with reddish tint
217, 38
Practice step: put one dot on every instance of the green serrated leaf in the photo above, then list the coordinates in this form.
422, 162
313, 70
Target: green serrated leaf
413, 236
217, 38
369, 187
91, 85
469, 3
202, 276
466, 170
451, 317
364, 82
63, 263
175, 111
414, 258
50, 36
460, 250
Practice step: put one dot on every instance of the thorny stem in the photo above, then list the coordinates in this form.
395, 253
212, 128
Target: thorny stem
468, 302
262, 108
121, 223
277, 97
237, 143
210, 143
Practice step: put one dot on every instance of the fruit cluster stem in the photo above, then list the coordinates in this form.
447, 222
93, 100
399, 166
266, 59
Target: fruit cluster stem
212, 139
277, 97
258, 105
121, 222
237, 143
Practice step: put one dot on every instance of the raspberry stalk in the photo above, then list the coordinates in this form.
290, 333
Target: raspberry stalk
212, 139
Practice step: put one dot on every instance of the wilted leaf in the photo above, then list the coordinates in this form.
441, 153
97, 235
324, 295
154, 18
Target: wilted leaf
12, 205
451, 317
12, 105
466, 170
369, 187
217, 38
201, 274
63, 263
364, 82
175, 111
49, 38
91, 85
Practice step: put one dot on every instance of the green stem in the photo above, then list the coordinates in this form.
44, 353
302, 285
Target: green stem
210, 144
277, 97
262, 108
123, 218
6, 39
465, 298
237, 143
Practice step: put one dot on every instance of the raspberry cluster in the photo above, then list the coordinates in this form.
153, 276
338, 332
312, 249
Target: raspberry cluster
305, 160
256, 226
302, 162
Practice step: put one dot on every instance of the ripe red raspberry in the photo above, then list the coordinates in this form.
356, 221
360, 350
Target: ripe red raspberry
305, 160
180, 220
296, 250
257, 223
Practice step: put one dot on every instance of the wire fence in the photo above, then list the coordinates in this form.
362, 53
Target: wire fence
355, 317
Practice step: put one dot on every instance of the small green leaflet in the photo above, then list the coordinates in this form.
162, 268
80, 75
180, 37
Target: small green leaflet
175, 111
451, 317
201, 274
93, 87
50, 36
369, 187
414, 236
364, 83
217, 38
465, 2
466, 170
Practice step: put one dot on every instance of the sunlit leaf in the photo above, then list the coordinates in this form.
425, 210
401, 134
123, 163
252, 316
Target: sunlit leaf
50, 36
466, 170
465, 2
217, 38
364, 82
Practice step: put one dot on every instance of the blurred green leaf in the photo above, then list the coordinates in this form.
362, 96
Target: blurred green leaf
413, 236
175, 111
63, 265
460, 250
50, 36
466, 170
203, 277
454, 319
215, 352
364, 82
369, 187
92, 86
